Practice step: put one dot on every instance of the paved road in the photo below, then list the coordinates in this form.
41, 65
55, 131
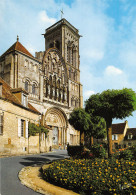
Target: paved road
9, 168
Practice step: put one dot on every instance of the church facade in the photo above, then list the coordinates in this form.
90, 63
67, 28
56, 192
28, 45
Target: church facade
51, 79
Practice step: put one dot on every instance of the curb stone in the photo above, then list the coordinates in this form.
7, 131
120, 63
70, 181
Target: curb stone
31, 177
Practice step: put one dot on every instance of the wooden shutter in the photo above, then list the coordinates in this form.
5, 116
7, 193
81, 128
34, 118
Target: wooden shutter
19, 127
26, 130
1, 124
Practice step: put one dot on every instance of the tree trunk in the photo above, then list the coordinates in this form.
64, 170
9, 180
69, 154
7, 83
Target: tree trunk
81, 138
109, 138
91, 140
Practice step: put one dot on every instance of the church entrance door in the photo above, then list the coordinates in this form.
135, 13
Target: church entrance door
55, 135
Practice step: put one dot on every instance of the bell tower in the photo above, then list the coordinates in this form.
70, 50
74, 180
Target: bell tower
65, 37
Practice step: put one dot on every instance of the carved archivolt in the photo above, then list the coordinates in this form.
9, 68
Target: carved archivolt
56, 117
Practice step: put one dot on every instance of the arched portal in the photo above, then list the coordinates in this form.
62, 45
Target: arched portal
57, 120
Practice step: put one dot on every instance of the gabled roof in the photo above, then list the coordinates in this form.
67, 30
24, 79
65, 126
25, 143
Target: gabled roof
17, 46
9, 96
118, 128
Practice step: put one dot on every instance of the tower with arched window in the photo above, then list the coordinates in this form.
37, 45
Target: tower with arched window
65, 37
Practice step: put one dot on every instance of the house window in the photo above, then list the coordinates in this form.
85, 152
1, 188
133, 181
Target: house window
26, 85
1, 124
22, 127
24, 100
130, 136
114, 137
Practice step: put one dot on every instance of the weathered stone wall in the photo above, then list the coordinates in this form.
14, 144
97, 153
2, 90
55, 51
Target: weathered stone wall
10, 141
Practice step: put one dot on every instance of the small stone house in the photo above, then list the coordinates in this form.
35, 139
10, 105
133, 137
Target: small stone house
118, 133
15, 113
130, 137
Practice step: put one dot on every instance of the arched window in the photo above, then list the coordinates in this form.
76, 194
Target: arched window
26, 85
74, 56
70, 73
50, 80
75, 76
51, 45
58, 45
54, 80
30, 65
34, 88
58, 83
68, 54
26, 63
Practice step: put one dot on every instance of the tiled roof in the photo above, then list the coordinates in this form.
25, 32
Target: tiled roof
8, 95
17, 46
32, 108
118, 128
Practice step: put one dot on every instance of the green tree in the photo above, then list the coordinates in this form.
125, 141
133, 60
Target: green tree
97, 129
111, 104
32, 129
86, 123
80, 120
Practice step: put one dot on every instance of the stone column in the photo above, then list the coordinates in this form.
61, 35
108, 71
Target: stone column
70, 55
65, 135
41, 87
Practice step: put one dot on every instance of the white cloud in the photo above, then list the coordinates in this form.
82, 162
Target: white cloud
44, 18
95, 55
88, 93
113, 71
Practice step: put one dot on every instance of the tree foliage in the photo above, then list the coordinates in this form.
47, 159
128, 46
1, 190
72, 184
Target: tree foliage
112, 104
92, 126
80, 120
33, 129
98, 128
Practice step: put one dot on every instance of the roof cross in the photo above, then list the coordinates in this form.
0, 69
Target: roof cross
61, 13
17, 38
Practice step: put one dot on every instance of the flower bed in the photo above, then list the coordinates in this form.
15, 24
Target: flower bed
98, 176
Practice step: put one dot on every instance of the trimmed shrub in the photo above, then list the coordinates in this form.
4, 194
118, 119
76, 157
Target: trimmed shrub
126, 154
98, 151
75, 150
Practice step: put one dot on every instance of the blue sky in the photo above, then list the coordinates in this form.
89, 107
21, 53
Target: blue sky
108, 45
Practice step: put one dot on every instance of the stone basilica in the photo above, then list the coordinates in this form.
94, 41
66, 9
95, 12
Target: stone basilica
51, 79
